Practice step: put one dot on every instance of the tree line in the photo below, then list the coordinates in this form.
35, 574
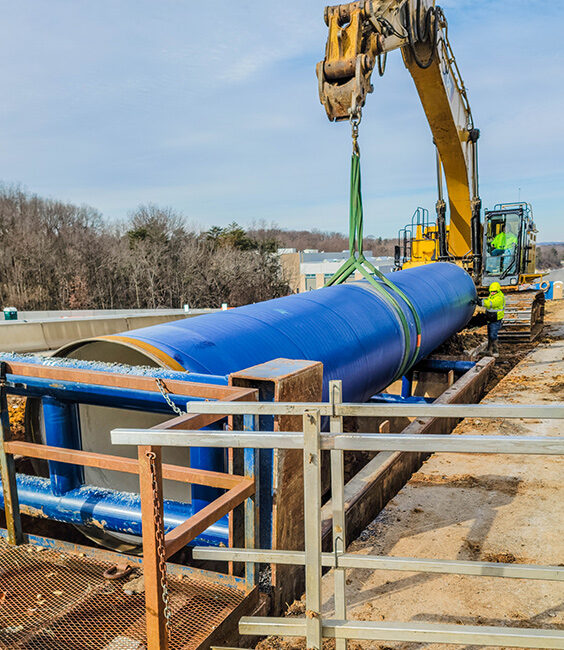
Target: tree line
56, 255
550, 256
317, 239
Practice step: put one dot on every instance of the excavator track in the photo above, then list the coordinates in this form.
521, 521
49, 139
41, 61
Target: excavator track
524, 316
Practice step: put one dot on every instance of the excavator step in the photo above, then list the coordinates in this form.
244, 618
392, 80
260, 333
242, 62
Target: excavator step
524, 316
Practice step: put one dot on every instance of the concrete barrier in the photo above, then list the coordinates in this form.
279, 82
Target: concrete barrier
21, 337
52, 333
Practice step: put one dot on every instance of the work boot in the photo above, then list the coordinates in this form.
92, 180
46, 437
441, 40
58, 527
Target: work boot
495, 350
490, 350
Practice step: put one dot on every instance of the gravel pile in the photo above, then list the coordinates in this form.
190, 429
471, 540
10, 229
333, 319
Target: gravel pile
120, 368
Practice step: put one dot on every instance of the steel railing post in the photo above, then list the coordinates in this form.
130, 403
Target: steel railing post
312, 517
8, 469
151, 492
338, 503
251, 505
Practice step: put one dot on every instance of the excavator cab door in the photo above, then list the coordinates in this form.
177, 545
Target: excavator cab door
504, 244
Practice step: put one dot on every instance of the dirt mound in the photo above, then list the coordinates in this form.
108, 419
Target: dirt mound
461, 343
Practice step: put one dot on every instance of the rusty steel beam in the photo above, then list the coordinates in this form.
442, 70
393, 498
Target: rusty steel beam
116, 380
8, 470
183, 534
121, 464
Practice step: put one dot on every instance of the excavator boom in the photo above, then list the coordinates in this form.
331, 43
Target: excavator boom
360, 36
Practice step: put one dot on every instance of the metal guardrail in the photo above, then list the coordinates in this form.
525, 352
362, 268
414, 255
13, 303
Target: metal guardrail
158, 547
314, 626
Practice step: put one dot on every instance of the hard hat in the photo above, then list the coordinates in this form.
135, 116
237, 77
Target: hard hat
495, 286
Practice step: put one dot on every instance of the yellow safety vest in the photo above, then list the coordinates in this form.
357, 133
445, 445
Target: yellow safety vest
495, 304
504, 240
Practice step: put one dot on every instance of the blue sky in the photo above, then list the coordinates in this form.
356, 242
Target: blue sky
212, 109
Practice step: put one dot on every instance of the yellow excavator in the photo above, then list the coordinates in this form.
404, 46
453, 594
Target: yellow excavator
361, 34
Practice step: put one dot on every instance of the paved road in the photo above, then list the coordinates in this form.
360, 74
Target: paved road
557, 274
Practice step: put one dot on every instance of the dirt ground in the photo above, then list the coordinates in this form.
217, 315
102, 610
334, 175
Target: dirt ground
16, 408
495, 508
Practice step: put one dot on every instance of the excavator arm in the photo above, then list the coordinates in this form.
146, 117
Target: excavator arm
361, 34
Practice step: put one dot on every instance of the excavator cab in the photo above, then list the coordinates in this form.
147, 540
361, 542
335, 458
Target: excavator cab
508, 249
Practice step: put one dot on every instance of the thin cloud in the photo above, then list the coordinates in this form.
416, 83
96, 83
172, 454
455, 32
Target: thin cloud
214, 111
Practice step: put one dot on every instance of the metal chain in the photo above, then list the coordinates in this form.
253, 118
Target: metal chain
159, 526
162, 389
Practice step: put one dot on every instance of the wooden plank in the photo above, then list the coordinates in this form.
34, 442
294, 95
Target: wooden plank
116, 380
121, 464
183, 534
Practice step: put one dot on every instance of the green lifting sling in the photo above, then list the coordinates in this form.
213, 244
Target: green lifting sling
358, 262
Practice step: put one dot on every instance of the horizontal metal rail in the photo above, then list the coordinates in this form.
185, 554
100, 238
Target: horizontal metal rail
513, 411
541, 445
185, 532
388, 563
311, 441
501, 637
122, 464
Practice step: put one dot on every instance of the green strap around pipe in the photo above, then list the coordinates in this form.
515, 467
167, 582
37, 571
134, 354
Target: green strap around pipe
357, 262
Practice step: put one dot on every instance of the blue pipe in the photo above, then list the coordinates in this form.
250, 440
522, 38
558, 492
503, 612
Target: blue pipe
126, 398
407, 385
111, 510
61, 430
350, 328
389, 398
444, 365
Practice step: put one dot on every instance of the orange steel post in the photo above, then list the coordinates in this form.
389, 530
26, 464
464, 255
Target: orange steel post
151, 521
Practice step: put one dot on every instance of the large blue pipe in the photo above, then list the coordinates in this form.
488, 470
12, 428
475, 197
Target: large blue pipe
350, 328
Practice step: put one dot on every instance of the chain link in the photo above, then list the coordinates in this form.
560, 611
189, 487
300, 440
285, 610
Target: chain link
355, 118
162, 389
159, 531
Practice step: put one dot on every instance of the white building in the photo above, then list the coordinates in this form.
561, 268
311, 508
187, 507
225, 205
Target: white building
311, 269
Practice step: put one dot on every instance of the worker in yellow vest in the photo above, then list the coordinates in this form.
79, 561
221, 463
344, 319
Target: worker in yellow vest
495, 306
503, 242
